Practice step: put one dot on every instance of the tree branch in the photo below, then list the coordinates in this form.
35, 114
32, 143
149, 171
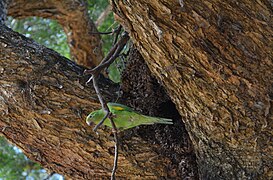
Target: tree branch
103, 15
106, 62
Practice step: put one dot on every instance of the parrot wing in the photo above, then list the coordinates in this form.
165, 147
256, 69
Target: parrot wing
119, 107
126, 120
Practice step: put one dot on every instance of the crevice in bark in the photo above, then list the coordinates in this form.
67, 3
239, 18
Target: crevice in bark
144, 93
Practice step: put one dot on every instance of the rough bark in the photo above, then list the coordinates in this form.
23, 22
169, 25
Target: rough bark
215, 60
72, 15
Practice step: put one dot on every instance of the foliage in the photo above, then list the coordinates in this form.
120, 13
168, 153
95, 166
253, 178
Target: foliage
95, 9
15, 165
115, 69
44, 31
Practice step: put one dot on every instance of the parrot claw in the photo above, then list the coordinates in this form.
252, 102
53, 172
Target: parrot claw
113, 115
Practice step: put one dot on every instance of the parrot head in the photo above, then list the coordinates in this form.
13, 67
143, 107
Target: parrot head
94, 117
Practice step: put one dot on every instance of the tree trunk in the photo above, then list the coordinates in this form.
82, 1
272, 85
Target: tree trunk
215, 60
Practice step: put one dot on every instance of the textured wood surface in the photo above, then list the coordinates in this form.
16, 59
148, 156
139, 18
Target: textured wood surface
215, 60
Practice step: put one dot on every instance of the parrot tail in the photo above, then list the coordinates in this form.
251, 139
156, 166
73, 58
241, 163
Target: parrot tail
158, 120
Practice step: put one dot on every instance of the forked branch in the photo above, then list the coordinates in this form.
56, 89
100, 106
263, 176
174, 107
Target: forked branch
105, 63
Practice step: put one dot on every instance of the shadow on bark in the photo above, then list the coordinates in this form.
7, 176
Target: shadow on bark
143, 92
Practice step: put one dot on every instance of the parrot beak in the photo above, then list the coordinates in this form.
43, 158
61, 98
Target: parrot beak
89, 119
90, 123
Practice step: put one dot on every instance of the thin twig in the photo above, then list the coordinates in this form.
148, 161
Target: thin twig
109, 59
115, 132
108, 114
115, 31
111, 56
102, 102
103, 33
117, 34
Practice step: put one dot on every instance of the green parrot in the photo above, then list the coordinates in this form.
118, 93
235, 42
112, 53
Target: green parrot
124, 117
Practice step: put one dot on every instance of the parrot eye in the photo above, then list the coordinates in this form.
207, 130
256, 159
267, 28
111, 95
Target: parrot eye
90, 120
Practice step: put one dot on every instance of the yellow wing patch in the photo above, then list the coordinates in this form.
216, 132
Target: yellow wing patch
117, 108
